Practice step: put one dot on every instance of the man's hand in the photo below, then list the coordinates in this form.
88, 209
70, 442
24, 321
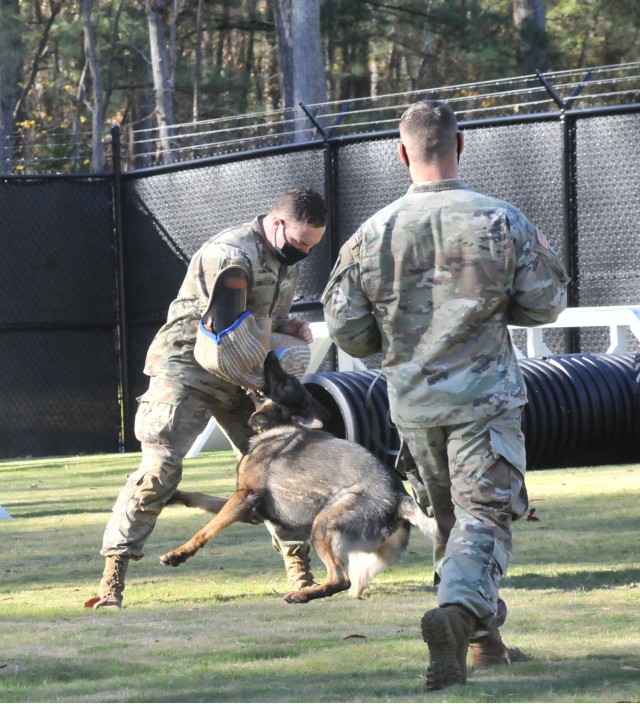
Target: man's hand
297, 327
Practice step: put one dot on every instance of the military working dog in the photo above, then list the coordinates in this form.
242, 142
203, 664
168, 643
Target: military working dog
353, 507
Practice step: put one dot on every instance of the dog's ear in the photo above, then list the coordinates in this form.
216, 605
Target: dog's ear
313, 415
258, 399
307, 421
288, 392
259, 422
268, 415
281, 387
319, 411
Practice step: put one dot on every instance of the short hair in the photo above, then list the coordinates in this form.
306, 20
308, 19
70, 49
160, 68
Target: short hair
303, 205
428, 130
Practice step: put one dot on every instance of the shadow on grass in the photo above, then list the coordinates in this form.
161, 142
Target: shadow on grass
579, 679
58, 512
293, 674
582, 579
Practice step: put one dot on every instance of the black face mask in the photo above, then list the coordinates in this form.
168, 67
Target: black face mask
288, 254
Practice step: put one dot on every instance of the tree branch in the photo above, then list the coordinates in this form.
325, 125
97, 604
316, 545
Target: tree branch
35, 66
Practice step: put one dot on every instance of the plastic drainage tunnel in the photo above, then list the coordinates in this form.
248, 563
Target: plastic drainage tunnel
583, 410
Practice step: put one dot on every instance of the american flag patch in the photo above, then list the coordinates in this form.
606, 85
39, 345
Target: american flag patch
544, 242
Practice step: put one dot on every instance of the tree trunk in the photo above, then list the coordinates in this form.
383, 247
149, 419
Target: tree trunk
174, 41
77, 116
19, 108
529, 20
282, 13
301, 58
10, 65
309, 85
141, 109
99, 105
161, 75
197, 67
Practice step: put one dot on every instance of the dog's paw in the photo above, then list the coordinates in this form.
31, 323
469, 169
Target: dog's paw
299, 597
171, 559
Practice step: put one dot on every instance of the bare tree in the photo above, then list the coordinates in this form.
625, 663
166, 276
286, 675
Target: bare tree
38, 59
99, 103
309, 83
17, 80
197, 67
529, 20
10, 66
301, 56
161, 70
282, 13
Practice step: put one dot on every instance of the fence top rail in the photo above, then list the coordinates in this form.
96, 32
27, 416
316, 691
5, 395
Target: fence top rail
579, 89
530, 95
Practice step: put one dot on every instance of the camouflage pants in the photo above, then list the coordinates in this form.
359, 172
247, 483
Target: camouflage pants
470, 477
169, 419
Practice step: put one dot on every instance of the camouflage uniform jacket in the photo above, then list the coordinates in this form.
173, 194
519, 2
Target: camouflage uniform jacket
432, 281
271, 290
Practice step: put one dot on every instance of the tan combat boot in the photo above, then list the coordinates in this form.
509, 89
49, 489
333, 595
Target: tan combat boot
490, 650
487, 648
446, 631
112, 583
298, 567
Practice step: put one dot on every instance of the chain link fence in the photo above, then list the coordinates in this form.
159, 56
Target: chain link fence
92, 263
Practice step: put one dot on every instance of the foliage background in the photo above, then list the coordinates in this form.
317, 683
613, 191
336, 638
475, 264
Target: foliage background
223, 58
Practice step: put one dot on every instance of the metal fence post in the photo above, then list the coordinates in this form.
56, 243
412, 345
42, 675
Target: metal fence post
126, 439
569, 197
329, 191
570, 182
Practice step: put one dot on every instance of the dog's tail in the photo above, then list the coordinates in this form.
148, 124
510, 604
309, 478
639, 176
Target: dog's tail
411, 511
364, 566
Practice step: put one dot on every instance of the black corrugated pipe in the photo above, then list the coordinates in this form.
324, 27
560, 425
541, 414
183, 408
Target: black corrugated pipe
583, 410
359, 408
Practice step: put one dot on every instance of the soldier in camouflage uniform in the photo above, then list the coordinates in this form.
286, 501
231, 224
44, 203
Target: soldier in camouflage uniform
254, 263
431, 281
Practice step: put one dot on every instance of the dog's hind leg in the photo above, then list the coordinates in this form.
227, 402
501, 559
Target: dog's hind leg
239, 508
194, 499
328, 544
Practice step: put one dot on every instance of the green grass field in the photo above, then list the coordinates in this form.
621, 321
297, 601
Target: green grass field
216, 629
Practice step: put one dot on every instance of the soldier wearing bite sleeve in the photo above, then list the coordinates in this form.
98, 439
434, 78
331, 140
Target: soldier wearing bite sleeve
245, 273
432, 281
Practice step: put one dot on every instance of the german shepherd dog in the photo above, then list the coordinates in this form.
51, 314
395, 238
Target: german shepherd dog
354, 508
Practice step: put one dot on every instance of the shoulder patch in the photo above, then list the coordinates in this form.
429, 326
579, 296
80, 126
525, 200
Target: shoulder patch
544, 242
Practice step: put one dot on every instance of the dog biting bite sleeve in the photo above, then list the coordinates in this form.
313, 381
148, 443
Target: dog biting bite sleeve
294, 355
237, 353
